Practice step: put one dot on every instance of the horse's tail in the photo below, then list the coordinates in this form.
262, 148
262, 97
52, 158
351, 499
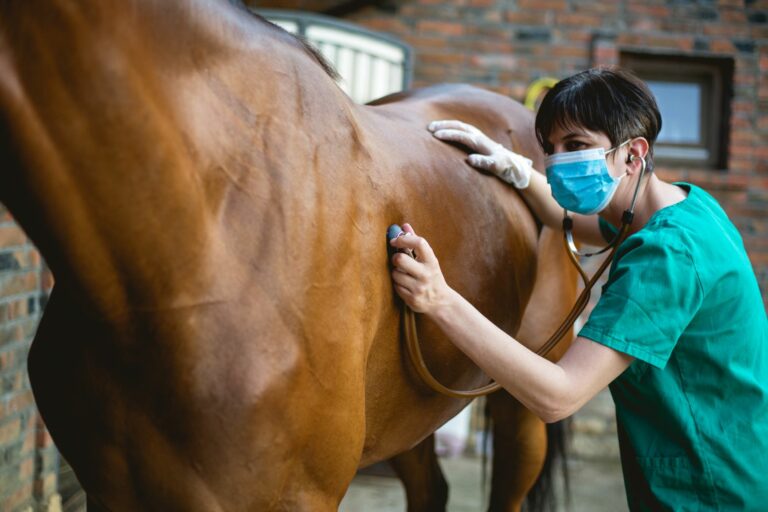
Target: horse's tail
543, 496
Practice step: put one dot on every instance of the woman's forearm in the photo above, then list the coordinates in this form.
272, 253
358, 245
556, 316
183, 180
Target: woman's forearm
539, 199
539, 384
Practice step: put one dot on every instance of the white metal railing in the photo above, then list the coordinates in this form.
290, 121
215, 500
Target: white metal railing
371, 65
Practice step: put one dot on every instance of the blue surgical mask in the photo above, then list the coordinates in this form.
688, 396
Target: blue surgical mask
580, 180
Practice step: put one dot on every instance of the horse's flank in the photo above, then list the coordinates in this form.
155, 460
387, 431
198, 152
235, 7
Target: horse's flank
223, 334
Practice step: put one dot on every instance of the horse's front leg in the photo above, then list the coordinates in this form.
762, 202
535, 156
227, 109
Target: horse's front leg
425, 487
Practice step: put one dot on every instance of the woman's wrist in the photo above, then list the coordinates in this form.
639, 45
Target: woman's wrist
447, 307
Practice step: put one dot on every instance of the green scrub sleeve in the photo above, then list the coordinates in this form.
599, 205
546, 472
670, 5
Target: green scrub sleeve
650, 297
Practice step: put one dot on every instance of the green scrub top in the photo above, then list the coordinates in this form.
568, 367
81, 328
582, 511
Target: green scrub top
692, 409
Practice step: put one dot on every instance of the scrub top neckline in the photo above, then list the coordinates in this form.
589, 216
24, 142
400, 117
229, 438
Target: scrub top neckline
663, 212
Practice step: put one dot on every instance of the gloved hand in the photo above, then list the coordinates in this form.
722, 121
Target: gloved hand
489, 155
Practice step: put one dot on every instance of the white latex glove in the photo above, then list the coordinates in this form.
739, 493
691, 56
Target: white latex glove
488, 155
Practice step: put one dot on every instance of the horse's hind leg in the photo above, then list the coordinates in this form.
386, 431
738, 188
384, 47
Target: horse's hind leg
519, 449
425, 487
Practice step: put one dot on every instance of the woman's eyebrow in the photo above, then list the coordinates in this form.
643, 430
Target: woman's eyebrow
574, 135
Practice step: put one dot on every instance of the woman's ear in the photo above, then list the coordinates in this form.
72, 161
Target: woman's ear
638, 149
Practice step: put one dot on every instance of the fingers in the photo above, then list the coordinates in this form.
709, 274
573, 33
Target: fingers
415, 243
483, 162
404, 280
452, 125
408, 229
468, 139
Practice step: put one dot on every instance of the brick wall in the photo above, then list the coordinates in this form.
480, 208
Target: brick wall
28, 458
505, 45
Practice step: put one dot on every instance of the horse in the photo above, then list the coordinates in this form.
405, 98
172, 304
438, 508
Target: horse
223, 334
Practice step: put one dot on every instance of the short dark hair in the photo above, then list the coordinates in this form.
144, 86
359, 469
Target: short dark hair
608, 100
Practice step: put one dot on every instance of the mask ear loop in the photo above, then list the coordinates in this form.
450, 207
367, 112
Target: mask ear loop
583, 300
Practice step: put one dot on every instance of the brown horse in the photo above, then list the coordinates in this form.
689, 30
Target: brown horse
223, 334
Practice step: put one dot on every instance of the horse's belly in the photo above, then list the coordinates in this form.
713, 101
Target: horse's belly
204, 422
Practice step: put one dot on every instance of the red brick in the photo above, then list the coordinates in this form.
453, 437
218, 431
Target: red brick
742, 105
17, 309
46, 280
760, 152
19, 283
45, 486
644, 9
22, 496
482, 3
758, 31
762, 92
11, 235
741, 164
744, 79
488, 46
440, 27
713, 29
528, 17
9, 431
579, 52
579, 20
733, 15
44, 439
441, 58
495, 61
601, 8
574, 35
26, 469
391, 25
10, 334
29, 442
555, 5
21, 402
420, 42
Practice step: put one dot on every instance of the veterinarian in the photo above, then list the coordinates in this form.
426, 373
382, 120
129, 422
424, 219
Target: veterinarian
679, 334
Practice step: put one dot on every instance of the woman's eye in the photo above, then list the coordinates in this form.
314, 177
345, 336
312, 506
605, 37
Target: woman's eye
574, 145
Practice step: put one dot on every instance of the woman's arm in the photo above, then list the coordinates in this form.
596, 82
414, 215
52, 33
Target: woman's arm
518, 171
551, 390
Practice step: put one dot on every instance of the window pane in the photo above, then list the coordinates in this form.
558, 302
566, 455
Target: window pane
680, 105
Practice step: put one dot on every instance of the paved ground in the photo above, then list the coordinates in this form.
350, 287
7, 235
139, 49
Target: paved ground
596, 486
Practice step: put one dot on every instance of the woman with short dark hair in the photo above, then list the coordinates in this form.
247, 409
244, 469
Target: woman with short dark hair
679, 334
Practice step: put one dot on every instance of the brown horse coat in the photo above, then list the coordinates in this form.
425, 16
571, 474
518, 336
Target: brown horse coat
223, 333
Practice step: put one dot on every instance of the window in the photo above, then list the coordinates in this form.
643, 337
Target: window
693, 94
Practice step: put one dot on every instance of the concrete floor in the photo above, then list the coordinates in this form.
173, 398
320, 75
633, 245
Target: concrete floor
596, 486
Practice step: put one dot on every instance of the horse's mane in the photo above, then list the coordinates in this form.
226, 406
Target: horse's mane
313, 52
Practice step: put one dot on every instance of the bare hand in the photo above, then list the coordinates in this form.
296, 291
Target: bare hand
419, 281
488, 155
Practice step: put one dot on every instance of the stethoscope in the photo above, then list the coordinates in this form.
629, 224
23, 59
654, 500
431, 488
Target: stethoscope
409, 317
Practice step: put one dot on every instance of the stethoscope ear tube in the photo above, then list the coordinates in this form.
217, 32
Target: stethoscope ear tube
581, 303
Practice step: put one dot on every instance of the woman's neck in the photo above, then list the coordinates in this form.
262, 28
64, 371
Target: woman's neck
654, 195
